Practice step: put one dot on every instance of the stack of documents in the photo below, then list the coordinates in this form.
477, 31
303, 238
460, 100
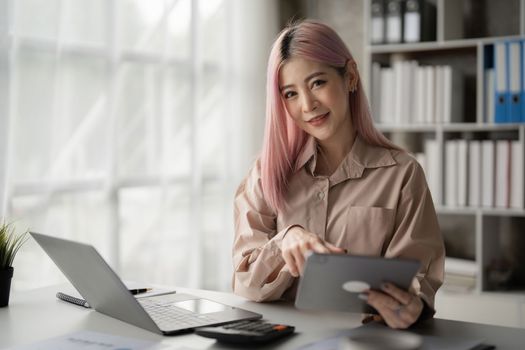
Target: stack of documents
407, 93
483, 173
460, 275
429, 161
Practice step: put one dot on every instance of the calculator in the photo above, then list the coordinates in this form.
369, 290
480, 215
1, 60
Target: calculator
246, 332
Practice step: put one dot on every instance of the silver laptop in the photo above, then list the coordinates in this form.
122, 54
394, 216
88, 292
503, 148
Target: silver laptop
106, 293
334, 281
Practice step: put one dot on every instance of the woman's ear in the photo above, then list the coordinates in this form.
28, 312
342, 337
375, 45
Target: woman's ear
351, 75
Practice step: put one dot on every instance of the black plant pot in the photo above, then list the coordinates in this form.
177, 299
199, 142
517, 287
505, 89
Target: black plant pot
5, 285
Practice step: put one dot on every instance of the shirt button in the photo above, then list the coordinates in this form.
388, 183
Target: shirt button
320, 195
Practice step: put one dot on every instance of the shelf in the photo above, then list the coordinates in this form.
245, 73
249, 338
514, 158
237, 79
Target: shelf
480, 127
406, 127
461, 267
516, 295
437, 45
503, 212
511, 212
455, 127
466, 29
513, 293
457, 211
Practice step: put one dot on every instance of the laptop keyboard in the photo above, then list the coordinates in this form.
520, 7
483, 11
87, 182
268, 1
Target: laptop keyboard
170, 317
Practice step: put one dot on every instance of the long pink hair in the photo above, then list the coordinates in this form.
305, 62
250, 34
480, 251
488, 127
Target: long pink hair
283, 139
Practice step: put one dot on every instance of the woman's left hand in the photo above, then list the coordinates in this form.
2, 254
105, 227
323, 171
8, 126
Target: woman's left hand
398, 308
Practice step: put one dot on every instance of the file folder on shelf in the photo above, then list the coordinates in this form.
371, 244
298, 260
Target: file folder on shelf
453, 95
489, 96
516, 178
376, 92
419, 21
489, 84
501, 83
474, 173
462, 172
394, 21
514, 81
487, 173
413, 21
377, 22
451, 173
433, 167
502, 173
522, 92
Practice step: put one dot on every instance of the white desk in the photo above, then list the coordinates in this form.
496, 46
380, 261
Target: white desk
36, 315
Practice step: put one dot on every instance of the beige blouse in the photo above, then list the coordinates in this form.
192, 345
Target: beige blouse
376, 203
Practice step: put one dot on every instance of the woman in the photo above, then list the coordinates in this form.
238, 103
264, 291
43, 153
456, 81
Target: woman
328, 181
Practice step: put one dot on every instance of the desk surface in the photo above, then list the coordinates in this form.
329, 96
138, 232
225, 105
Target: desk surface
36, 315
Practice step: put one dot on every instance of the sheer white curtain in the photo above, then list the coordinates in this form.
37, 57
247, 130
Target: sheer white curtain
128, 125
4, 100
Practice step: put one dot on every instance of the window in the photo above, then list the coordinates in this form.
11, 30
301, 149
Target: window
118, 135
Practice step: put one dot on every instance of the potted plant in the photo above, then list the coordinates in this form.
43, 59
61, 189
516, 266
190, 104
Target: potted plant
10, 242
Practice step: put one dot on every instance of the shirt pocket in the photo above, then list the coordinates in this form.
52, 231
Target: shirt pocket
367, 229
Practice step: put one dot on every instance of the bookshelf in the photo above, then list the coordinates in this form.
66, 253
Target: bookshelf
488, 238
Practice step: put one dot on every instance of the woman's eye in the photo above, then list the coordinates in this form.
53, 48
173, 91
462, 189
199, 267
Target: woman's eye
289, 94
318, 82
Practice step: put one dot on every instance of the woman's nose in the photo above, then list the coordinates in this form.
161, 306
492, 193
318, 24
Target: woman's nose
309, 102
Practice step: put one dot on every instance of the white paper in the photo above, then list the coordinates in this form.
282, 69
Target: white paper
152, 292
88, 340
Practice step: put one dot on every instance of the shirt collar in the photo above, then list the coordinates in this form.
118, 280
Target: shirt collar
360, 157
308, 154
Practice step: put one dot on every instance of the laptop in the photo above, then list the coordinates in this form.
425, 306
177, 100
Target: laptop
105, 292
334, 281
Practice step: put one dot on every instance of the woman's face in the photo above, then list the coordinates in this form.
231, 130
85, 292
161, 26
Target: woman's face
316, 97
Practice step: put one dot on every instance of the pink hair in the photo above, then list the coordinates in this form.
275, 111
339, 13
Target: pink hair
283, 139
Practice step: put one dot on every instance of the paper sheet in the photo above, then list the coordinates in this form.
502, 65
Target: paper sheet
88, 340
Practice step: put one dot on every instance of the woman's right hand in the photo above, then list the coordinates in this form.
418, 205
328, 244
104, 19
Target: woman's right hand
298, 242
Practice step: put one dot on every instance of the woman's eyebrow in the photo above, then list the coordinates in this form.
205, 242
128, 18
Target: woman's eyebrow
313, 75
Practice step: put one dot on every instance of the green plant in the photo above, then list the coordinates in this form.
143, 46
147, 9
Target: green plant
10, 242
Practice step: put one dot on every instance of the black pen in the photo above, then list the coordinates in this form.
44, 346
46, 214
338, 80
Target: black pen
139, 290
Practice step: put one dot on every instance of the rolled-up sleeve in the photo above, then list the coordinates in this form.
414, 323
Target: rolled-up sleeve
260, 273
417, 235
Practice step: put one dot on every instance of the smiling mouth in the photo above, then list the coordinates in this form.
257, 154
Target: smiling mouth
318, 118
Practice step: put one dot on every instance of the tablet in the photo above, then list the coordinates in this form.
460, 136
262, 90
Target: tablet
334, 281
